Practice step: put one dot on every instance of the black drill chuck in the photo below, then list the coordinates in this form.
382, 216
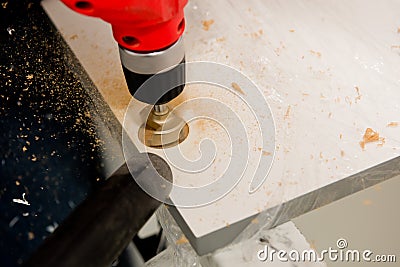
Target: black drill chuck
157, 88
155, 77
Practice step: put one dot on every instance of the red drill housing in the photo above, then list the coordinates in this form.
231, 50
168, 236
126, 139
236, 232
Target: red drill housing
138, 25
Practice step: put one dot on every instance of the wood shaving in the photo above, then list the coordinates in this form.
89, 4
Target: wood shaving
358, 97
31, 235
207, 24
393, 124
266, 153
237, 88
287, 114
255, 221
371, 136
182, 240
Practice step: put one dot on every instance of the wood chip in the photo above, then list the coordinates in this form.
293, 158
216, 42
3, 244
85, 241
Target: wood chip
371, 136
182, 240
358, 97
318, 54
237, 88
207, 24
393, 124
287, 114
266, 153
367, 202
31, 235
255, 221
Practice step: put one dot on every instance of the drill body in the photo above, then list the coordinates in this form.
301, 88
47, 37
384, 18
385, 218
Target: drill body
149, 38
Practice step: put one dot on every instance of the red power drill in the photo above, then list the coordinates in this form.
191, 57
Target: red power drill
149, 37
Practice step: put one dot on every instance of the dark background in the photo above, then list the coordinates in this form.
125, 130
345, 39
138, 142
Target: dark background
50, 147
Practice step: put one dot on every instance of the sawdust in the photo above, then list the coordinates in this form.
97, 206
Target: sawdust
207, 24
201, 125
367, 202
315, 53
257, 33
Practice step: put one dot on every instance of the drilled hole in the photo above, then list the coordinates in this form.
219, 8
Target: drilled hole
83, 5
181, 26
130, 40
